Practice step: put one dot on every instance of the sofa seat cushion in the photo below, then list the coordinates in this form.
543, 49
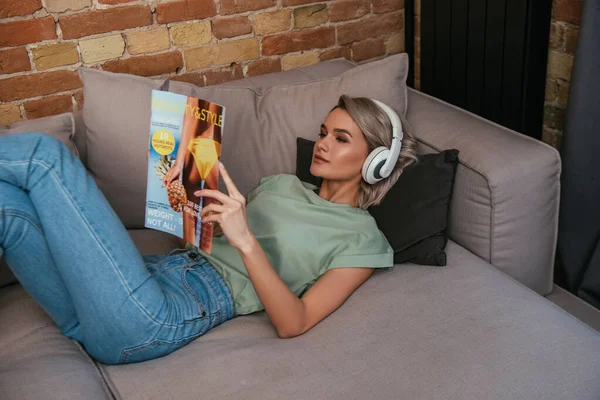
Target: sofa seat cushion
464, 331
36, 360
149, 241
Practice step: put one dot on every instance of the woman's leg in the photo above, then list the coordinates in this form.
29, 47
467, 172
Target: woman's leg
23, 244
113, 294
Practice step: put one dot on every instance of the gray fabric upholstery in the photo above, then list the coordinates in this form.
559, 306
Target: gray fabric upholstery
79, 136
149, 241
507, 190
36, 360
465, 331
117, 119
60, 126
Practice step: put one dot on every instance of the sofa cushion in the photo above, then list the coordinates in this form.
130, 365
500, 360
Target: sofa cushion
413, 215
60, 126
36, 360
149, 241
116, 114
261, 127
467, 331
117, 119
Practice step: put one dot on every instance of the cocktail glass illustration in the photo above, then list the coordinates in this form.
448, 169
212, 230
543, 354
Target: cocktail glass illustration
206, 153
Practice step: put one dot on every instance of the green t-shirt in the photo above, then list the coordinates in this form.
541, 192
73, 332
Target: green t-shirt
303, 236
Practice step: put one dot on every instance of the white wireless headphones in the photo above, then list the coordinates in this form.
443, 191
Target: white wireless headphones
380, 163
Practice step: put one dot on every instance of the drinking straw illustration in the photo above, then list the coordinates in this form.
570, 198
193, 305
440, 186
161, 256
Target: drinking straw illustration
205, 152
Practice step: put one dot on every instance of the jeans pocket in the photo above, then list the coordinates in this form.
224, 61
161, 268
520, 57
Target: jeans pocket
201, 289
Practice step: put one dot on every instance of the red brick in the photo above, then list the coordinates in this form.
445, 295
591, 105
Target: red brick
78, 96
185, 10
348, 9
115, 1
215, 77
147, 65
264, 66
48, 106
239, 6
23, 87
299, 40
384, 6
112, 19
14, 60
571, 37
15, 8
342, 52
366, 49
286, 3
557, 36
369, 27
567, 10
17, 33
195, 78
230, 27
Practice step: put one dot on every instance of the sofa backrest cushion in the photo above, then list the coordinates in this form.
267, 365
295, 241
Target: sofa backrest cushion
60, 126
116, 114
264, 115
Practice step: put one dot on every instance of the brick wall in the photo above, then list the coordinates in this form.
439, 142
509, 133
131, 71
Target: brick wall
42, 42
566, 15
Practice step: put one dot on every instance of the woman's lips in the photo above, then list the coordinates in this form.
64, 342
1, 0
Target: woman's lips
319, 160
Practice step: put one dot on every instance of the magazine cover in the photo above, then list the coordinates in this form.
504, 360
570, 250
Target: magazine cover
183, 154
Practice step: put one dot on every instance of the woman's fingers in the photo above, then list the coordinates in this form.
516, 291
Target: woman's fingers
231, 188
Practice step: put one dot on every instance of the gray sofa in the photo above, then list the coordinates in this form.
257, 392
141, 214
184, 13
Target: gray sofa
478, 328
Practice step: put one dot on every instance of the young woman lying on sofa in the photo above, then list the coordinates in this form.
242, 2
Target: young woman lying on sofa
294, 250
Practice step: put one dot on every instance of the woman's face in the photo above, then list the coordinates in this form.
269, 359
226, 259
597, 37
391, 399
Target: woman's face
340, 150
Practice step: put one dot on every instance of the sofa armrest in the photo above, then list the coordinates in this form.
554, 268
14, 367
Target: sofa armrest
506, 195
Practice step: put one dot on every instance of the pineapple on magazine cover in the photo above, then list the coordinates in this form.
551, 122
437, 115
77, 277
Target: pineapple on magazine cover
184, 148
175, 190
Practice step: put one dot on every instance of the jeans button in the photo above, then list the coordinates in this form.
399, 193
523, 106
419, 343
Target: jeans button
193, 256
204, 313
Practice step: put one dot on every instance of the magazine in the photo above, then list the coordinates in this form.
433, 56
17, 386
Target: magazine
183, 155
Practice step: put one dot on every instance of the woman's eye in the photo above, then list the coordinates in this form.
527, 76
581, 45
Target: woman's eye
339, 139
321, 134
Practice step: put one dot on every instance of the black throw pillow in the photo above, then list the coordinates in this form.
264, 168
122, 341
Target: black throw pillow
413, 216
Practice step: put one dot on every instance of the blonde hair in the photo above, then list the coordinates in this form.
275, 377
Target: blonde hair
377, 130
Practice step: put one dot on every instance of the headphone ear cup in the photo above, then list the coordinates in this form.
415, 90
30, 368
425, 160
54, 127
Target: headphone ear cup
373, 163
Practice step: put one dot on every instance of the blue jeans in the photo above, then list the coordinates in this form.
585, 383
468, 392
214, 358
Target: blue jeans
70, 251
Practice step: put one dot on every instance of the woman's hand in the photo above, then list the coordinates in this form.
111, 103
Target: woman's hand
231, 214
172, 173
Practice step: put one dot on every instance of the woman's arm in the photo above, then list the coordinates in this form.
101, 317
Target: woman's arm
290, 315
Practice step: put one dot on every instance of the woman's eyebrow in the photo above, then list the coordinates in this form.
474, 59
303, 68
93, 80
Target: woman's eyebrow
338, 130
342, 131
